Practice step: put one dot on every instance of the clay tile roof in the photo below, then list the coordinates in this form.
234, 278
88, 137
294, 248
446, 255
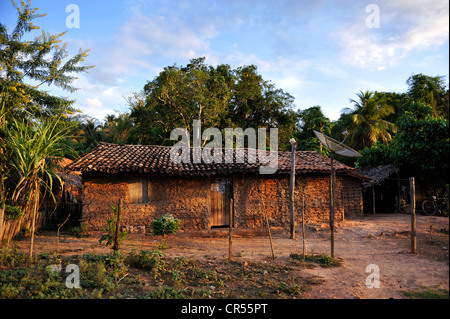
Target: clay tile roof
150, 159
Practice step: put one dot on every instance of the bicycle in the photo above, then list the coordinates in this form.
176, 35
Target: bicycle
435, 206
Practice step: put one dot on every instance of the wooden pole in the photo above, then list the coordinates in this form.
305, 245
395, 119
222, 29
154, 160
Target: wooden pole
291, 191
116, 236
303, 225
332, 186
413, 215
399, 201
33, 220
373, 198
230, 240
268, 228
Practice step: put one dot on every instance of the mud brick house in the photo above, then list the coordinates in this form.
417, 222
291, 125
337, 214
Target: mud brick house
203, 195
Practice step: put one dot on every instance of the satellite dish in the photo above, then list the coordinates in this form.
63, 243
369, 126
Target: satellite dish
336, 146
339, 148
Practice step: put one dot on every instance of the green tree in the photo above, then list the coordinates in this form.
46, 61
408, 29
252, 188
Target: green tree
176, 97
310, 120
40, 61
422, 141
398, 101
430, 90
25, 66
369, 124
219, 97
117, 128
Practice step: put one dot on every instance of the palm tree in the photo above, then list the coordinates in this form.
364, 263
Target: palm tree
369, 125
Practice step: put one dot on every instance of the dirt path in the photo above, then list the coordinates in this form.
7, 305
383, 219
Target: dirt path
382, 240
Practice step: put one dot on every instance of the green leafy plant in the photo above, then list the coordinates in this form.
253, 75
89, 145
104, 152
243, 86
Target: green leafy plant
109, 231
166, 224
151, 260
13, 212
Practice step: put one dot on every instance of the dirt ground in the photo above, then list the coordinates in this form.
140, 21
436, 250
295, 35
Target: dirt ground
382, 240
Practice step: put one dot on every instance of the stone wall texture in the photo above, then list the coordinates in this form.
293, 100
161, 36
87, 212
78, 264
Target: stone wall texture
188, 198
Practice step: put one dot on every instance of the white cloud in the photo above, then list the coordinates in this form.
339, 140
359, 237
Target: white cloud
404, 26
94, 102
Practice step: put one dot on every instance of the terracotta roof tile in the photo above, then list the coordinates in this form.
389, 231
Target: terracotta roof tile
113, 158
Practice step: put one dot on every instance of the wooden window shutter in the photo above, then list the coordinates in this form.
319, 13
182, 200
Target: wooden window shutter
138, 192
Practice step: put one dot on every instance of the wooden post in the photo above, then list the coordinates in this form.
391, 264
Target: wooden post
230, 240
373, 198
291, 191
332, 186
399, 201
268, 228
33, 220
116, 236
303, 225
413, 215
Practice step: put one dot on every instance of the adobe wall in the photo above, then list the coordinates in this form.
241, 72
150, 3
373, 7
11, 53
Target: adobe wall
188, 198
185, 198
254, 193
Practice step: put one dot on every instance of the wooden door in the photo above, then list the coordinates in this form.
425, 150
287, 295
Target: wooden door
220, 201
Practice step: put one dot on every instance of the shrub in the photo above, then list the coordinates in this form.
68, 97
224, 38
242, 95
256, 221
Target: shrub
151, 260
109, 232
166, 224
13, 212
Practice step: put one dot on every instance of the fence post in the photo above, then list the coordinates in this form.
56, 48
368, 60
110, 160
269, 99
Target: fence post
303, 225
413, 215
230, 240
291, 190
116, 236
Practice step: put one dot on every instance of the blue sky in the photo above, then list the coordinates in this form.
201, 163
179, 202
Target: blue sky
321, 52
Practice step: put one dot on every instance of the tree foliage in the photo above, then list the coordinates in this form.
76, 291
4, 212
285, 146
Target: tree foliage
32, 125
219, 97
422, 142
429, 90
369, 124
27, 65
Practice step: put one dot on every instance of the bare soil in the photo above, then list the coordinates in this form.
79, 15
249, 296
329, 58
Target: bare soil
383, 240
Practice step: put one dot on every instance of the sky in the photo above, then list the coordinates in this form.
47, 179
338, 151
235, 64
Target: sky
321, 52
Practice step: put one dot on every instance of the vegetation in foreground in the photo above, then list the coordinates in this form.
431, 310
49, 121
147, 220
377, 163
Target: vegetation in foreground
148, 274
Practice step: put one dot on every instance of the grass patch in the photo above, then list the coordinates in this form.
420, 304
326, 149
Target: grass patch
322, 259
427, 293
147, 274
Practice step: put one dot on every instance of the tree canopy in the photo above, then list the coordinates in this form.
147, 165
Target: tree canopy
219, 97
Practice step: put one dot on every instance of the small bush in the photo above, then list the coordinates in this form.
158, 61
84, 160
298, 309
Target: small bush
165, 225
109, 232
11, 257
13, 212
150, 260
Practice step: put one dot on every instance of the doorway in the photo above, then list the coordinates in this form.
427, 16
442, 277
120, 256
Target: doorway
221, 192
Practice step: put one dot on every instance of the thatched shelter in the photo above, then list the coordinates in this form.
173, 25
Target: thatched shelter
381, 194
